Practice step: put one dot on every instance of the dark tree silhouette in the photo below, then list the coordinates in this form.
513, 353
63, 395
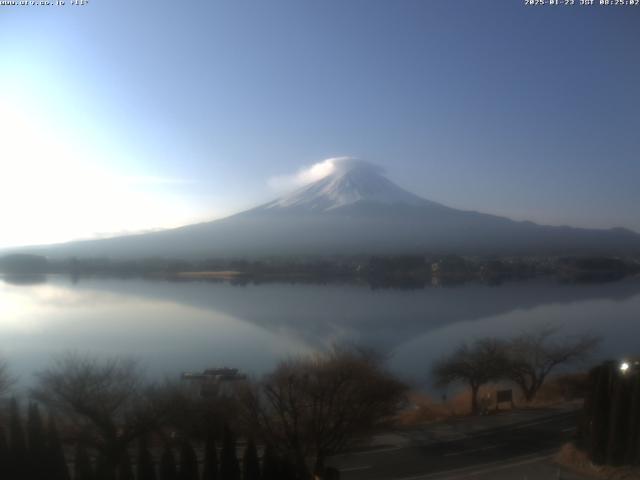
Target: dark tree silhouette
37, 443
125, 471
106, 399
317, 406
82, 465
610, 427
56, 463
194, 416
145, 468
188, 462
210, 468
287, 469
168, 470
18, 465
475, 364
229, 465
104, 469
250, 462
331, 473
5, 456
270, 464
533, 355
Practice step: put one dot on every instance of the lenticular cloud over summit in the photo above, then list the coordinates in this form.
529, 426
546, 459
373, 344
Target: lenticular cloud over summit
349, 182
318, 171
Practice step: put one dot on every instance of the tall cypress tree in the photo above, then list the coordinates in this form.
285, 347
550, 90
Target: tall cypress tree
82, 469
250, 463
168, 469
619, 421
210, 468
17, 444
611, 425
633, 450
5, 456
188, 462
56, 464
600, 406
125, 471
229, 465
37, 443
104, 469
146, 469
270, 464
287, 470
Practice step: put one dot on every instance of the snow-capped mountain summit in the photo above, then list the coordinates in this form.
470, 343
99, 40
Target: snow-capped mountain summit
351, 182
355, 209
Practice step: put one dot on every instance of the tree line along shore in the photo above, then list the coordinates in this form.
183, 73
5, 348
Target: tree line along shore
408, 271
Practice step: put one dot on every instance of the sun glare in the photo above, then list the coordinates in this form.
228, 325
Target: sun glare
54, 187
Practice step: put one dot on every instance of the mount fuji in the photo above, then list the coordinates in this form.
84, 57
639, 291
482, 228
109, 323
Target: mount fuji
355, 209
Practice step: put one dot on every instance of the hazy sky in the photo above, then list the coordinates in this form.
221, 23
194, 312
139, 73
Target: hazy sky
126, 115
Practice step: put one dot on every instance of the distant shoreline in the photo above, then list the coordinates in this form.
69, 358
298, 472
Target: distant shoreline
223, 274
393, 271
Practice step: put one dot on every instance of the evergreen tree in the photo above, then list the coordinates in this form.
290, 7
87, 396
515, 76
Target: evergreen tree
104, 469
287, 470
270, 464
125, 472
82, 464
619, 422
331, 473
210, 469
56, 462
610, 429
633, 450
5, 455
17, 444
250, 463
168, 465
37, 443
146, 469
188, 462
229, 465
599, 406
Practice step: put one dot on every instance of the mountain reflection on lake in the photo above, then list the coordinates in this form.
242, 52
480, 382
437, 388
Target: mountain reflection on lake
173, 327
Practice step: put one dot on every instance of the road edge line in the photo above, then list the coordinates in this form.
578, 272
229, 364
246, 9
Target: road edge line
484, 467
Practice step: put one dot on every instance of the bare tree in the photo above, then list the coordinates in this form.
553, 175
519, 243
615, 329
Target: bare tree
193, 415
105, 400
317, 406
475, 364
533, 355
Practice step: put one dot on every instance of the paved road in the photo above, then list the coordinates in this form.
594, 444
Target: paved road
518, 451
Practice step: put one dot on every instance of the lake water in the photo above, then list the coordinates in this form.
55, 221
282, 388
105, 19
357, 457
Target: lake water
188, 326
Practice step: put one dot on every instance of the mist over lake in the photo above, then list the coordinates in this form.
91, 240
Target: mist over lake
173, 327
